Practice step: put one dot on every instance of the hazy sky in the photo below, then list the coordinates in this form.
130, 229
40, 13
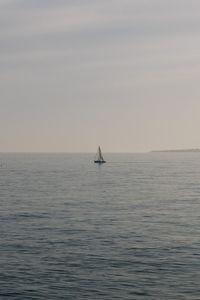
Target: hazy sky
124, 74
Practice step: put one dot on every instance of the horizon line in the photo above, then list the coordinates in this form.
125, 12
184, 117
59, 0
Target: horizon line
106, 152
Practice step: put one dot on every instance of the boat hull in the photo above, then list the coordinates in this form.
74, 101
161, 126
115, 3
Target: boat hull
100, 162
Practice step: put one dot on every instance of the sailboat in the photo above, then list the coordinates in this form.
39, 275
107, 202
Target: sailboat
99, 157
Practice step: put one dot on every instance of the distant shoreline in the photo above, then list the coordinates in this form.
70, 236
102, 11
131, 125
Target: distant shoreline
178, 150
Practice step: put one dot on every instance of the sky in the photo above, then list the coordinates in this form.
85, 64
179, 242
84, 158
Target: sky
120, 73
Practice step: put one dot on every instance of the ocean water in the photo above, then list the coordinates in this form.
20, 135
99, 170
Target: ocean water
129, 229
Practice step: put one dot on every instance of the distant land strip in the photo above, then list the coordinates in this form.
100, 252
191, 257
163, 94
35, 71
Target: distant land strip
178, 150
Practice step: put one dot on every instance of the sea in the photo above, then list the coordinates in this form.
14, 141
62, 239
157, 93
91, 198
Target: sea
128, 229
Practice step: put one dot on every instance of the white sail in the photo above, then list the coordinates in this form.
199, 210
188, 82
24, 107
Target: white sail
100, 154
